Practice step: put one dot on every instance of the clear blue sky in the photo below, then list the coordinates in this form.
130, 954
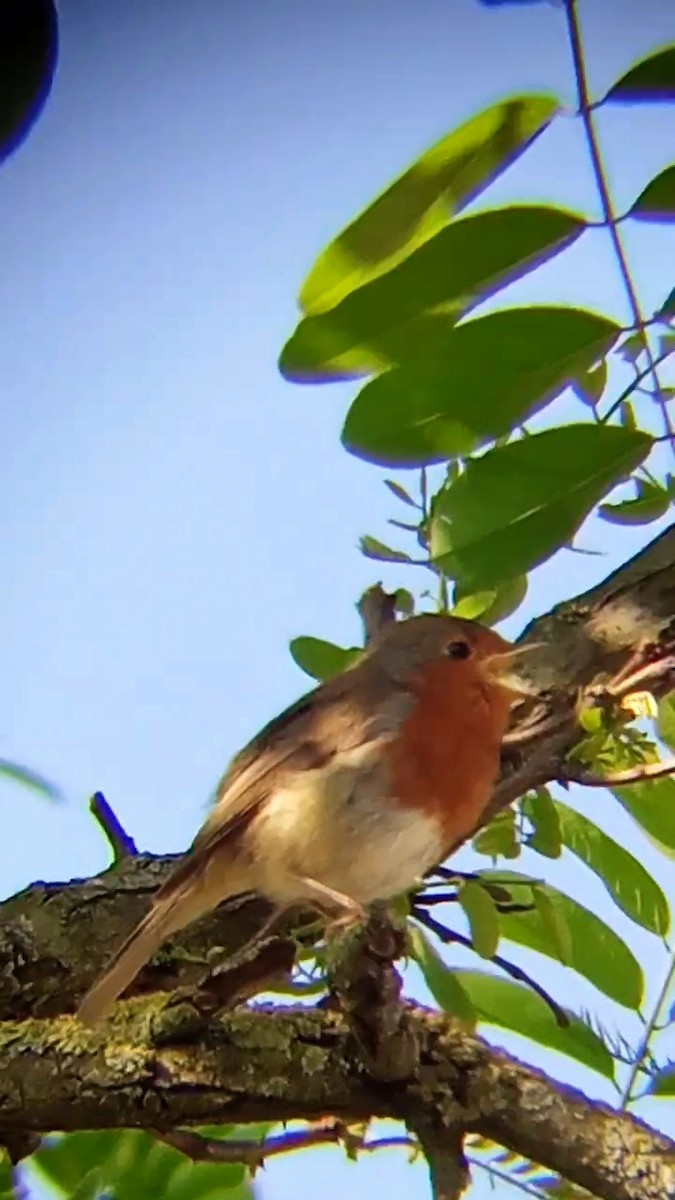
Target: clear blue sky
171, 511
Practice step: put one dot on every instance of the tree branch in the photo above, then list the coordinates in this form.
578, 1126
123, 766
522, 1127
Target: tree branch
160, 1066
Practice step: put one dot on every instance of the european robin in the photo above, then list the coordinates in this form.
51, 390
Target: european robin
352, 794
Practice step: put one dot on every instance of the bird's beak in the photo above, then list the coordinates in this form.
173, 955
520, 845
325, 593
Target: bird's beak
502, 669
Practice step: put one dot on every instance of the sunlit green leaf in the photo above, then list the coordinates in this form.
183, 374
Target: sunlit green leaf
517, 504
489, 374
626, 880
510, 1005
452, 172
540, 809
441, 981
653, 78
597, 952
652, 805
499, 838
665, 723
30, 779
481, 913
650, 503
408, 312
321, 659
657, 201
554, 924
492, 605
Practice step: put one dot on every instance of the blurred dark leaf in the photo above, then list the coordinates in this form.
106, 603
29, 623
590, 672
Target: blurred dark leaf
30, 779
489, 374
650, 503
517, 504
28, 53
657, 201
663, 1082
372, 548
421, 201
667, 309
651, 79
590, 385
406, 313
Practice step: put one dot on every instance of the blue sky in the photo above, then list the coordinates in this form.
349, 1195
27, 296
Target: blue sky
172, 512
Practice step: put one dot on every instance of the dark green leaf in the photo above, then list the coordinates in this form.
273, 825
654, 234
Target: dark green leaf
510, 1005
499, 838
663, 1083
481, 913
667, 309
441, 981
652, 78
628, 883
406, 313
422, 200
321, 659
590, 385
667, 342
657, 201
652, 805
665, 723
540, 809
30, 779
377, 550
650, 503
632, 347
28, 51
517, 504
597, 952
489, 374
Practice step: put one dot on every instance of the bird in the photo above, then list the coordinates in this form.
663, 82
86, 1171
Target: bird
352, 794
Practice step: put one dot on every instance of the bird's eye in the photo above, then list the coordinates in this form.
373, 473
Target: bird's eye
458, 650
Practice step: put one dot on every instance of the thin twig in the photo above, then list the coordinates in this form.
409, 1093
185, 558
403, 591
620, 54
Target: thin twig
634, 386
609, 215
449, 935
122, 845
643, 1049
253, 1154
658, 770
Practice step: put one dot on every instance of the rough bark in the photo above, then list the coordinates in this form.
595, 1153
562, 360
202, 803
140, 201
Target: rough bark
257, 1065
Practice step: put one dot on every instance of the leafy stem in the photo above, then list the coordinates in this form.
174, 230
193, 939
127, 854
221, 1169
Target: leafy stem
634, 386
609, 215
650, 1030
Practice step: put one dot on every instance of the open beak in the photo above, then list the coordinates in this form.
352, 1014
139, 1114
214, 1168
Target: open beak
502, 668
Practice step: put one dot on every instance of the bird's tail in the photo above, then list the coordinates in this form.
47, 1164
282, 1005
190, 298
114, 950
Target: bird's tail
194, 888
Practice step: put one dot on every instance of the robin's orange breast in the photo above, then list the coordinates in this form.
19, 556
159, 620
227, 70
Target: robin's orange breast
445, 760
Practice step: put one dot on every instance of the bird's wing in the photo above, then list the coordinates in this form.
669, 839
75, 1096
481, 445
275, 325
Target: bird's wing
339, 715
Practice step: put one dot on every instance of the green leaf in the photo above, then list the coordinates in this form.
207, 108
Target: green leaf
597, 952
590, 385
555, 924
667, 343
481, 913
28, 53
651, 79
132, 1165
663, 1082
493, 605
30, 779
667, 309
377, 550
650, 503
516, 505
321, 659
441, 981
631, 887
665, 722
400, 492
453, 171
632, 347
510, 1005
406, 313
657, 201
499, 838
489, 374
652, 805
540, 809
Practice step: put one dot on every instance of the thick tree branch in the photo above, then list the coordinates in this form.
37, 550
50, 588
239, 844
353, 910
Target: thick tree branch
161, 1066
